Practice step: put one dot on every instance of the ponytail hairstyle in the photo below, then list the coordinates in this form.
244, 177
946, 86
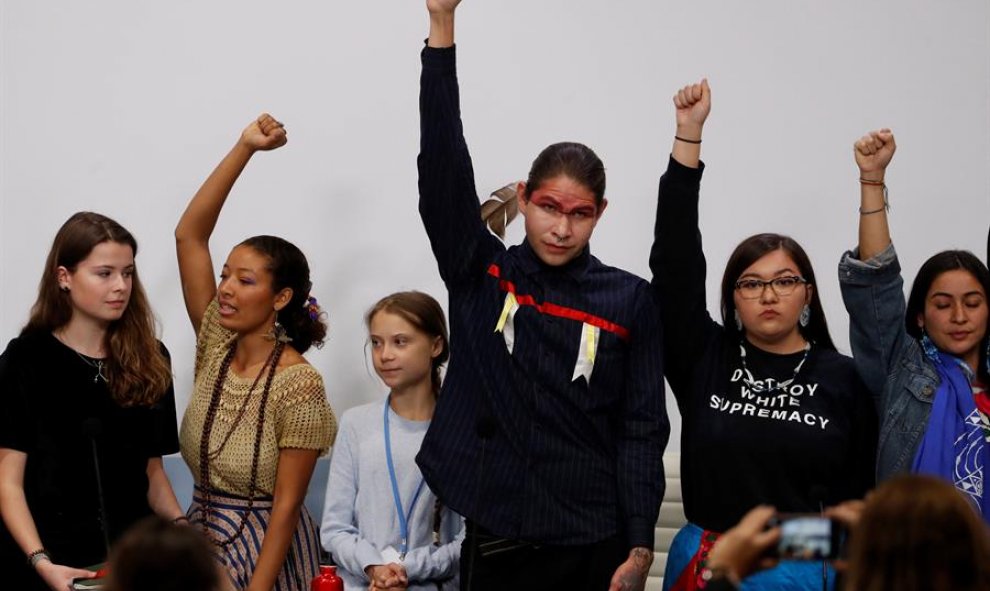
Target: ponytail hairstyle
573, 160
137, 371
423, 312
303, 320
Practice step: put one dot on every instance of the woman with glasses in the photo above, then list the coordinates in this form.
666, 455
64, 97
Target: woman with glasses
771, 413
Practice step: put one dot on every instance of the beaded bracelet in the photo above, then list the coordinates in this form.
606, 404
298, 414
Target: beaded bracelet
37, 556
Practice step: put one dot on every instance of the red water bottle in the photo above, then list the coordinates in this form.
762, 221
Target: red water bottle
327, 580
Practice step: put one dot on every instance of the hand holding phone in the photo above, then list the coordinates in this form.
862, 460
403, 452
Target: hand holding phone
808, 536
743, 549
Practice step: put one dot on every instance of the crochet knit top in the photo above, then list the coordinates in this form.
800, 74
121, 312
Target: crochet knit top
297, 416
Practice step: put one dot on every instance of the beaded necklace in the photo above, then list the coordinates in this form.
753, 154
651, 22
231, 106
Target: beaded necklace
205, 455
758, 386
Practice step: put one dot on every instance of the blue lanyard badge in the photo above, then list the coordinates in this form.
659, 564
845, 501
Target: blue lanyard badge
404, 516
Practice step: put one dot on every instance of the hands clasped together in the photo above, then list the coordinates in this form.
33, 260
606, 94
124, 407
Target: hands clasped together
390, 577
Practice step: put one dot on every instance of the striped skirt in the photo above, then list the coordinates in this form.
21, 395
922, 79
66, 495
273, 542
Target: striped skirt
240, 556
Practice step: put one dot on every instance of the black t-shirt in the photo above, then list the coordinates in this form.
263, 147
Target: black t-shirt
55, 409
810, 444
745, 442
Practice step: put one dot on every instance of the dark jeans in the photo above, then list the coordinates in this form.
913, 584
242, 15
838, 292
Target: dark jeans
491, 563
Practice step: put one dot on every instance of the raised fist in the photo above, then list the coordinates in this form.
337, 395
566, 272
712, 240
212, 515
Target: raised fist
264, 133
873, 152
442, 6
693, 103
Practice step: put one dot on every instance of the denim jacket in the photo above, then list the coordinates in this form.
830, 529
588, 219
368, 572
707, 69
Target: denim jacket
890, 361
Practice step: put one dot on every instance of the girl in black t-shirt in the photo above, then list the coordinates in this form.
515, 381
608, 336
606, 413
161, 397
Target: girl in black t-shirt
87, 412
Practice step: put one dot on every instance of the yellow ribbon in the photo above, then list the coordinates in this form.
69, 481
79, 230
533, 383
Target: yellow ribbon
589, 333
510, 303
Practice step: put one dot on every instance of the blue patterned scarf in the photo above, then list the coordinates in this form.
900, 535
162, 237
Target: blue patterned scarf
954, 447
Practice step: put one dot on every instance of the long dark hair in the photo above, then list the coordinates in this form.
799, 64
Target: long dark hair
571, 159
917, 533
288, 267
751, 250
136, 368
424, 312
948, 260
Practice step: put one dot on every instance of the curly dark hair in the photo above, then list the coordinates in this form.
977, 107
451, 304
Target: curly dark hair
289, 269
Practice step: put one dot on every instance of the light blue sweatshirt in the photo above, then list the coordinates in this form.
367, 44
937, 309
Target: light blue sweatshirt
359, 515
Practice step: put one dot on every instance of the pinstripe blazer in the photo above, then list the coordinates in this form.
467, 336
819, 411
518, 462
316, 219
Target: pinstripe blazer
553, 435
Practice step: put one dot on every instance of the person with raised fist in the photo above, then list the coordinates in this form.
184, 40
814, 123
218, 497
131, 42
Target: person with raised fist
258, 417
549, 432
926, 361
771, 413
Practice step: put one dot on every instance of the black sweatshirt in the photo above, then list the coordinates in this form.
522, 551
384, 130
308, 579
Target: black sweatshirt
807, 445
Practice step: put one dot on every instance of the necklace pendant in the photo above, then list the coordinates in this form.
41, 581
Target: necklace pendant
99, 373
758, 387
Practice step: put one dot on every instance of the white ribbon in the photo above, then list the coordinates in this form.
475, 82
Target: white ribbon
586, 352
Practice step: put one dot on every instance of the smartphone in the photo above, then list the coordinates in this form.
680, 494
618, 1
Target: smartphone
809, 536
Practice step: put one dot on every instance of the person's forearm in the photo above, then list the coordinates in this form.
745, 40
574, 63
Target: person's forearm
632, 573
278, 538
295, 468
441, 29
201, 215
13, 502
18, 520
684, 150
873, 153
161, 497
874, 232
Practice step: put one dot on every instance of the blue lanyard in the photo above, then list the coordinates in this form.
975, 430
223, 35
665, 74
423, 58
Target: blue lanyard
403, 516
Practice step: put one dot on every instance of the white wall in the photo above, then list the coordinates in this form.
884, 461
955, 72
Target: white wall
124, 107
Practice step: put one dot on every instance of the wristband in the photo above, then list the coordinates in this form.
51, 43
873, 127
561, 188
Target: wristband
685, 140
37, 556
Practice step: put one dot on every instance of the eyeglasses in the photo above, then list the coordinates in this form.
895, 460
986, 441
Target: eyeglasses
751, 289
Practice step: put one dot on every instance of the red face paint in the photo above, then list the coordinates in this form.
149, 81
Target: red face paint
561, 215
